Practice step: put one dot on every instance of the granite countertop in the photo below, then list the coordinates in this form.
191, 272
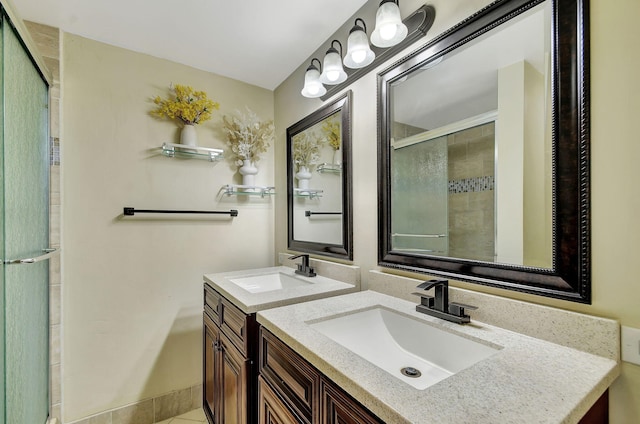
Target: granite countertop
527, 380
318, 287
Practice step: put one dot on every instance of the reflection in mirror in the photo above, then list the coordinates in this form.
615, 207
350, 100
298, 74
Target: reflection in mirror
489, 99
319, 194
317, 205
475, 182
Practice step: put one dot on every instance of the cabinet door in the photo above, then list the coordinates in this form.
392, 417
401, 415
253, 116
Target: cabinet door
272, 410
234, 371
211, 369
339, 408
293, 377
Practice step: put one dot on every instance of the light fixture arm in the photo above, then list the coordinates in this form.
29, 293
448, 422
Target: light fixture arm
333, 49
319, 67
356, 28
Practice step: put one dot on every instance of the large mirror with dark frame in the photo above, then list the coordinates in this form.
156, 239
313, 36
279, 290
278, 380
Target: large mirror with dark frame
319, 181
484, 151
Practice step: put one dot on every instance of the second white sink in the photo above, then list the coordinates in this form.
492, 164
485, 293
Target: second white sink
268, 282
413, 351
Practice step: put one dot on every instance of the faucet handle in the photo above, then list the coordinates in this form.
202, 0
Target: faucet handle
425, 299
457, 309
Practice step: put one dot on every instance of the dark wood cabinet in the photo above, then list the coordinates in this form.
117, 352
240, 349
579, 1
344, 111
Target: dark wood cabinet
305, 393
230, 351
233, 382
599, 412
295, 380
210, 367
272, 409
339, 408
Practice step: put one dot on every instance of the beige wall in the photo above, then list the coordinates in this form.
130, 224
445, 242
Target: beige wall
615, 227
132, 287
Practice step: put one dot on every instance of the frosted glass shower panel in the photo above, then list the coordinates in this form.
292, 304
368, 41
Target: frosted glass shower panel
419, 197
25, 181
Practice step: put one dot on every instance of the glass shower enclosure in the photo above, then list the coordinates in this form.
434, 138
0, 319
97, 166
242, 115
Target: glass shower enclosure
24, 233
419, 197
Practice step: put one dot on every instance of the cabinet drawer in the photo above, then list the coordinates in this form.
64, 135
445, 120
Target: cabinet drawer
294, 378
338, 407
271, 409
234, 325
211, 303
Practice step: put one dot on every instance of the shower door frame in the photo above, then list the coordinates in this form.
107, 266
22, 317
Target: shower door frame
8, 20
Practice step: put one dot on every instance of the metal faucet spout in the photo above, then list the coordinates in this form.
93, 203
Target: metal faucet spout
439, 306
303, 266
441, 301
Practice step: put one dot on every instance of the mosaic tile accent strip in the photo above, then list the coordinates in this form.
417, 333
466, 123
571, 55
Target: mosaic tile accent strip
475, 184
55, 151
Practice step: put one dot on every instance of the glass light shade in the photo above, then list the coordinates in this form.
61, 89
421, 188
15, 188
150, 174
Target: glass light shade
389, 27
332, 71
359, 54
312, 85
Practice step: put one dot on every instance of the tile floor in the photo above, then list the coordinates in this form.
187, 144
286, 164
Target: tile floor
192, 417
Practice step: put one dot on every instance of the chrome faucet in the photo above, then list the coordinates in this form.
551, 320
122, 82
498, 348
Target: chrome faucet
303, 266
439, 306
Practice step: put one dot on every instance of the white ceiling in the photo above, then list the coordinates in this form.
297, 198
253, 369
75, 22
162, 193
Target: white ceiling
256, 41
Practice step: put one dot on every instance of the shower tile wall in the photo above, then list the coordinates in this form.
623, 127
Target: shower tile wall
400, 130
47, 40
471, 193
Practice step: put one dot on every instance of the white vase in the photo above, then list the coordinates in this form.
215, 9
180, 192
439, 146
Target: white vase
303, 177
248, 170
188, 135
337, 157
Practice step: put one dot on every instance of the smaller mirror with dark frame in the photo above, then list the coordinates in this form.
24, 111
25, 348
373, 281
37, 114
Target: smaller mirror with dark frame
319, 181
484, 151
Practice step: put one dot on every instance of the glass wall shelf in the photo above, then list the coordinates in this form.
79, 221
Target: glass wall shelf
329, 168
191, 152
247, 190
310, 193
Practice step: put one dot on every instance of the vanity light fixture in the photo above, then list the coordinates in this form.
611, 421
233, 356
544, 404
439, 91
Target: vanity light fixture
389, 29
329, 77
332, 72
359, 54
312, 85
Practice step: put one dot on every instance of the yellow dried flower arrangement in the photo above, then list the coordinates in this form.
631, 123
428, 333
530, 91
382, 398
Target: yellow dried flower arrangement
331, 127
188, 106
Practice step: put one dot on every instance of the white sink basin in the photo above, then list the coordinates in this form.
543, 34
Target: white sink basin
397, 342
268, 282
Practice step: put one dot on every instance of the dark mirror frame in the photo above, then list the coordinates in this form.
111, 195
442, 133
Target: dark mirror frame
569, 277
345, 250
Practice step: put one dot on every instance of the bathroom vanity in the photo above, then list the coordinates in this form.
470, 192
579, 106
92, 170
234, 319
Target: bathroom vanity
284, 348
520, 379
231, 332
